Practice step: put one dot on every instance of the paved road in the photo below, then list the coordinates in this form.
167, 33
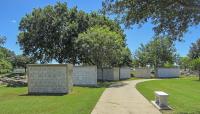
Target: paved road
123, 98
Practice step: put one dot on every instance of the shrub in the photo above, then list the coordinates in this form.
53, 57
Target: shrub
5, 66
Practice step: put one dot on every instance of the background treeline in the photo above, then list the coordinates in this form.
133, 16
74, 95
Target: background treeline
9, 60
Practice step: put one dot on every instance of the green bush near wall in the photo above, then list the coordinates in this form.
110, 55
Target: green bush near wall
5, 66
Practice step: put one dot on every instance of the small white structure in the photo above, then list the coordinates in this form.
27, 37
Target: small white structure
142, 72
161, 100
108, 74
124, 73
168, 72
49, 78
85, 75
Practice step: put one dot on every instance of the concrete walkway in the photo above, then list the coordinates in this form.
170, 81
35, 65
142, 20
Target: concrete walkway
123, 98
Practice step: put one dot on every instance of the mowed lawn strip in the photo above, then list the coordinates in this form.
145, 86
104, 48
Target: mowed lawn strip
184, 93
81, 101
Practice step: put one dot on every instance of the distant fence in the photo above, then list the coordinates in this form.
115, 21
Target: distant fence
125, 73
168, 72
49, 78
142, 72
108, 74
85, 75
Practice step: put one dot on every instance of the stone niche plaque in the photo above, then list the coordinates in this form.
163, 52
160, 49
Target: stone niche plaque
50, 78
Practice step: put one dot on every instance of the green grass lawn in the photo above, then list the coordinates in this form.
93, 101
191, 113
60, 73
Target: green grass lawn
184, 93
81, 101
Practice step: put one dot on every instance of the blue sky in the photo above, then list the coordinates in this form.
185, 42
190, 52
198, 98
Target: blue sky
13, 10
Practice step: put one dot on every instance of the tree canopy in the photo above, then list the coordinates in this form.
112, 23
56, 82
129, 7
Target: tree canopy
49, 33
195, 64
169, 17
21, 61
157, 53
184, 62
6, 57
194, 51
100, 46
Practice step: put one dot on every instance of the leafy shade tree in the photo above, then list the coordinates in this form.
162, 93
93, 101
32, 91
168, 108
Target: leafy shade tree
21, 61
171, 17
141, 56
184, 62
195, 63
157, 53
100, 46
194, 51
49, 33
126, 57
5, 57
161, 50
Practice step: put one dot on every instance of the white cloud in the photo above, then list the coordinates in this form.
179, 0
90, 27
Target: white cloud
13, 21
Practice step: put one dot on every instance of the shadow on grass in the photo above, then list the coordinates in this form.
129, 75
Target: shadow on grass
118, 84
105, 84
44, 94
9, 75
99, 85
197, 80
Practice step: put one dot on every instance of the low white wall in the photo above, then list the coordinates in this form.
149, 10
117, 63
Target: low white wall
85, 75
142, 73
116, 73
109, 74
125, 73
49, 78
168, 72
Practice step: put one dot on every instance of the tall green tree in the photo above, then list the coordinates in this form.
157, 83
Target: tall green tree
195, 63
161, 50
126, 57
141, 56
5, 66
171, 17
49, 33
194, 51
5, 57
21, 61
100, 46
184, 62
156, 53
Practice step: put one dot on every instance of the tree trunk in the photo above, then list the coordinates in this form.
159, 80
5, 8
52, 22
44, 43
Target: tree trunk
199, 74
119, 73
102, 74
156, 72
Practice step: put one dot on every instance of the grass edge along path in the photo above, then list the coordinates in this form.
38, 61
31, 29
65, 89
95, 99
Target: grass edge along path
184, 93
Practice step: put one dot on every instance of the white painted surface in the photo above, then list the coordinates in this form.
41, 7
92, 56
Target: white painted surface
142, 73
49, 78
168, 72
85, 75
116, 73
160, 93
109, 74
161, 98
125, 73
